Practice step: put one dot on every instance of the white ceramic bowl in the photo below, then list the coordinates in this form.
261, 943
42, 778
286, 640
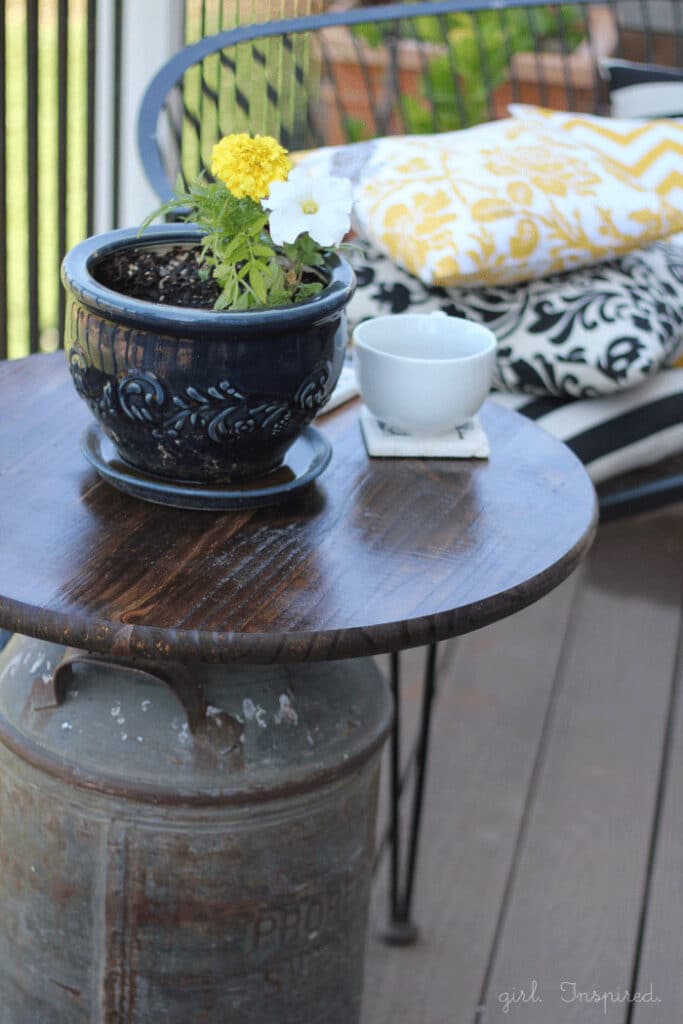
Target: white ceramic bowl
423, 373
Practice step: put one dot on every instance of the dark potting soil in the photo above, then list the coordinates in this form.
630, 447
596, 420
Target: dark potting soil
171, 277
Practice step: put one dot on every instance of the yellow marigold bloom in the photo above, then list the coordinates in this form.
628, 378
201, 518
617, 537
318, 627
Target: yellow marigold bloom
249, 166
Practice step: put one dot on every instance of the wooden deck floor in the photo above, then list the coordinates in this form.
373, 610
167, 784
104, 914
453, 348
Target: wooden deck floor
551, 872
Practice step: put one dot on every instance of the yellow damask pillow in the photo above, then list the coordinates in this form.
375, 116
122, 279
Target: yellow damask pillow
501, 203
650, 151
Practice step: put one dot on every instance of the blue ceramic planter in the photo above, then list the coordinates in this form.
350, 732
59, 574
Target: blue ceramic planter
199, 395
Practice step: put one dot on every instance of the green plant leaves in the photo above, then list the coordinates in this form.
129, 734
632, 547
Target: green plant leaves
238, 252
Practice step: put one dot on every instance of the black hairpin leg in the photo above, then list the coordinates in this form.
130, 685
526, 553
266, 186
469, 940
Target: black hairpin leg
401, 929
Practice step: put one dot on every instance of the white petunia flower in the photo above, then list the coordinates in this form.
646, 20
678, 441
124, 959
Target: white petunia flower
319, 206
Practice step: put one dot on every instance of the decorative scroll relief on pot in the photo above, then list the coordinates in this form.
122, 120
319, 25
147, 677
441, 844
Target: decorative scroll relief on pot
220, 411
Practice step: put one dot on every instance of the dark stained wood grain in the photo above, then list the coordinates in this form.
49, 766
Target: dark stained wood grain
377, 555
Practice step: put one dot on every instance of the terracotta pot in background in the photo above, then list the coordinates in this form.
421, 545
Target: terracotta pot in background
559, 80
367, 92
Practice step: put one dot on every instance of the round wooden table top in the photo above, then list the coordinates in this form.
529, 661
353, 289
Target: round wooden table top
376, 555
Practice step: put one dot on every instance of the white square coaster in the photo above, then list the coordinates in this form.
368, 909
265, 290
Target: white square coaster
468, 441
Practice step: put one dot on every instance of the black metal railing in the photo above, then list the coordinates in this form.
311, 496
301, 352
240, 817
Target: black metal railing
49, 100
367, 70
50, 126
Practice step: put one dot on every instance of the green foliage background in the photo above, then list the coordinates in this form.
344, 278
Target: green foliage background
479, 48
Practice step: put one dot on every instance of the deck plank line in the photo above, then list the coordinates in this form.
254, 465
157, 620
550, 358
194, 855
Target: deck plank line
572, 923
661, 952
522, 832
657, 820
492, 698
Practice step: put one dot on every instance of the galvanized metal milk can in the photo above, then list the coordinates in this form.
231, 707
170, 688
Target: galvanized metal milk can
192, 848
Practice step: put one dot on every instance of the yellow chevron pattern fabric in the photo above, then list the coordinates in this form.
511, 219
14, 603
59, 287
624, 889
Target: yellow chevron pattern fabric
650, 151
502, 203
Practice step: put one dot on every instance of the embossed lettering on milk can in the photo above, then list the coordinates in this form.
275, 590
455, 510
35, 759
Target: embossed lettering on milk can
200, 855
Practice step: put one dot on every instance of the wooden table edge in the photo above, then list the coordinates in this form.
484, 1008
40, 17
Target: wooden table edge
154, 642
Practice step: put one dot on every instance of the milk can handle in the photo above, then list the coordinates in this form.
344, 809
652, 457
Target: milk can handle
49, 691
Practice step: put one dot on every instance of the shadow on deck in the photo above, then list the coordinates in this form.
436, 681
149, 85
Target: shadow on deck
550, 867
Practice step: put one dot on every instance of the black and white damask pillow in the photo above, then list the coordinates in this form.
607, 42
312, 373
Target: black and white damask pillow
580, 334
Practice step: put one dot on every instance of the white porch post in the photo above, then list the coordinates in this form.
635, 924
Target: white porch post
152, 32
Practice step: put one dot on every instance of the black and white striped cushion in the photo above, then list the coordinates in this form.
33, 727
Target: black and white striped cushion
618, 433
643, 90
